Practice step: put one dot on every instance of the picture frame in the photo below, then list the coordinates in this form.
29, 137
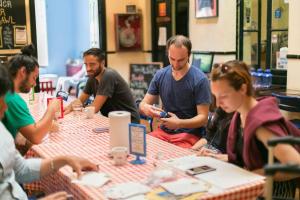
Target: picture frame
128, 32
206, 8
130, 8
20, 36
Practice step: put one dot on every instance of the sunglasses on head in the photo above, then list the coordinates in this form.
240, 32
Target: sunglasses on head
223, 67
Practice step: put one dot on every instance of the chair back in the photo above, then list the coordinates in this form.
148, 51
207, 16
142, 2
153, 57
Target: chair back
46, 86
288, 103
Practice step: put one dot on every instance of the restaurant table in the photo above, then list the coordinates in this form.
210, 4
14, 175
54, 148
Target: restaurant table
75, 137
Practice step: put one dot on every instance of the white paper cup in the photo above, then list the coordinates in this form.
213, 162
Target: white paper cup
119, 155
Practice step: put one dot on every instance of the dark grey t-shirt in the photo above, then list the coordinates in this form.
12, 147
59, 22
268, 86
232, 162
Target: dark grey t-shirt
116, 89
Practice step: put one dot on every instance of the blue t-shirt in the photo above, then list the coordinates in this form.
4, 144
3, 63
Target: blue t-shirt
181, 97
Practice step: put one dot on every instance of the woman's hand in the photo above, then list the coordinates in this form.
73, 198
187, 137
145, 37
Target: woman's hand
80, 164
211, 153
198, 145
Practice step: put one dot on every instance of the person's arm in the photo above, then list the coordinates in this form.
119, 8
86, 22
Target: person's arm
211, 153
199, 144
56, 196
36, 132
28, 170
198, 121
49, 166
146, 106
285, 153
98, 102
82, 98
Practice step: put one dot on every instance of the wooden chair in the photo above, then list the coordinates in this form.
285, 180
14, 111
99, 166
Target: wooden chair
46, 86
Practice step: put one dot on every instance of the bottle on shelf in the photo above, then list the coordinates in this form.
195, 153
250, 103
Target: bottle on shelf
268, 78
259, 78
264, 81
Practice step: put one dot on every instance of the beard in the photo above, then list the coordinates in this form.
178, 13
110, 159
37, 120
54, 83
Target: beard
95, 73
24, 86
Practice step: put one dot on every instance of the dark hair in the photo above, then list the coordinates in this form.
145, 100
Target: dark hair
235, 72
5, 81
99, 53
179, 41
23, 59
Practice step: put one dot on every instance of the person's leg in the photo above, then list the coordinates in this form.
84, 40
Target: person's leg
184, 140
160, 134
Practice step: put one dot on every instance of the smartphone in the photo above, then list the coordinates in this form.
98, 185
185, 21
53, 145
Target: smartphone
200, 170
100, 130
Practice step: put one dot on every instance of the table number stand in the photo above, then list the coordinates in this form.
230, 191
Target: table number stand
137, 142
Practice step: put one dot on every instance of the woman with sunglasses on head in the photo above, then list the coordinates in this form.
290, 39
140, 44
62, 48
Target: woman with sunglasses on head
14, 169
254, 123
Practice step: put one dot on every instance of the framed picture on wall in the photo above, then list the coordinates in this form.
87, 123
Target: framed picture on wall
206, 8
20, 34
128, 32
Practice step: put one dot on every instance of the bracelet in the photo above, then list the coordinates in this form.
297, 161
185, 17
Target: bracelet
52, 165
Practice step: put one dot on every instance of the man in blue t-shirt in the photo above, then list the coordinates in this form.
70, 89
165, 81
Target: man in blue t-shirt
185, 94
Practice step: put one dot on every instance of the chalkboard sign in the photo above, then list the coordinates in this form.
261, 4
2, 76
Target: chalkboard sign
14, 25
141, 76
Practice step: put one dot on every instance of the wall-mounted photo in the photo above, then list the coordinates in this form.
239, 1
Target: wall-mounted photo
206, 8
20, 34
128, 32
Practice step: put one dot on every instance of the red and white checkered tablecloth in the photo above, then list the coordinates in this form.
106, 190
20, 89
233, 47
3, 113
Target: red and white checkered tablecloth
75, 137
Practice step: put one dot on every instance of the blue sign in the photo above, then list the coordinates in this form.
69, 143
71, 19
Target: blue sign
137, 142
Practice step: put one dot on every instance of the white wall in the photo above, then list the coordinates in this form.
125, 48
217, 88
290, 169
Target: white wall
214, 34
293, 81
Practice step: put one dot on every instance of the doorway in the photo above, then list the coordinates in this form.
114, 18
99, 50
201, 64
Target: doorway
262, 30
169, 17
